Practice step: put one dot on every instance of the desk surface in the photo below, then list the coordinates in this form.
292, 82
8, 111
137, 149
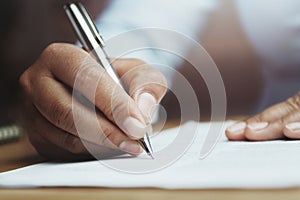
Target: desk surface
21, 154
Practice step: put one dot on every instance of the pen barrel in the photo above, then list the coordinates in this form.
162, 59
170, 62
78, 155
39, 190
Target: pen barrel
89, 37
92, 42
103, 59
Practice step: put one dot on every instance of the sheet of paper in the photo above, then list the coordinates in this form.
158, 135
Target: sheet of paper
273, 164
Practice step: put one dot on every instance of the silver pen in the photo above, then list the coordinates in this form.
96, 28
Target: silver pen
91, 40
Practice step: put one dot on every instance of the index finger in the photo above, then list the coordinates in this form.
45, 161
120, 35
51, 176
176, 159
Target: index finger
77, 69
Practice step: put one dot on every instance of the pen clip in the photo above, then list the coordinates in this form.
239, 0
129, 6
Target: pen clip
84, 26
91, 24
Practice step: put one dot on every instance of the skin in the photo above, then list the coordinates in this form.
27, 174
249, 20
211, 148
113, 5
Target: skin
47, 87
276, 122
48, 112
49, 108
34, 24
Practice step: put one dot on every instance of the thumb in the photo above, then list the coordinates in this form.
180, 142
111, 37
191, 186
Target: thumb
145, 84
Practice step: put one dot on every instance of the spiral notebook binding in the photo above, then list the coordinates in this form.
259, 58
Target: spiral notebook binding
10, 133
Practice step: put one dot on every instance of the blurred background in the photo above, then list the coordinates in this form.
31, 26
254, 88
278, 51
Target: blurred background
235, 34
27, 28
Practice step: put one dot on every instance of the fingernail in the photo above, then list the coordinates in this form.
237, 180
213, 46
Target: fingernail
134, 127
294, 127
257, 126
147, 104
130, 147
237, 128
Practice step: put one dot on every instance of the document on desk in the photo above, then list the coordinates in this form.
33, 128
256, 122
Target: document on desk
273, 164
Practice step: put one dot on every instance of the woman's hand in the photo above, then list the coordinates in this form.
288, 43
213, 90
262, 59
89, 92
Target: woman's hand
277, 122
49, 109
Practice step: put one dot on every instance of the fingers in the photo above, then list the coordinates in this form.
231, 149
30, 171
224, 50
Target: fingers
35, 128
77, 69
146, 85
53, 152
39, 126
292, 126
54, 143
55, 103
276, 122
75, 100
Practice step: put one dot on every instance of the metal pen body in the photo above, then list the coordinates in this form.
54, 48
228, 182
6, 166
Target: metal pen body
89, 36
91, 40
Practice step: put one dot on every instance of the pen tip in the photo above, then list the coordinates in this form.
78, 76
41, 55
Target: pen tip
151, 156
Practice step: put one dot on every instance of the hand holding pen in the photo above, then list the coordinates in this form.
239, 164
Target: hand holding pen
91, 40
48, 115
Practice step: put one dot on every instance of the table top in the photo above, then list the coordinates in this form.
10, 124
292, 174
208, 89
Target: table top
21, 153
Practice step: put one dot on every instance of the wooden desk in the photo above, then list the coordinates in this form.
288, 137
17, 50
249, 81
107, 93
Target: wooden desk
21, 154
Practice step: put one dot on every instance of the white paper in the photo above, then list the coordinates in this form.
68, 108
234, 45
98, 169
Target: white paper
273, 164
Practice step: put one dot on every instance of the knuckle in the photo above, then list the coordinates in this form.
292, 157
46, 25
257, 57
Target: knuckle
261, 117
24, 82
109, 137
294, 102
50, 50
257, 118
281, 122
107, 111
118, 110
88, 75
61, 115
113, 106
